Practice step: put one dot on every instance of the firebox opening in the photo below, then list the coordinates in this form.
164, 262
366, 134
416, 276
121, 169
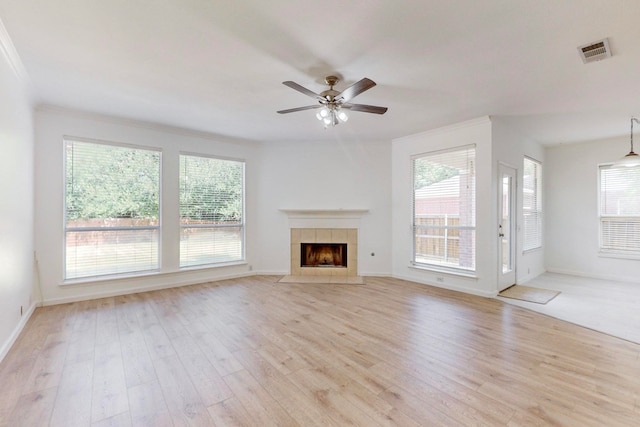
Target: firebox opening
323, 255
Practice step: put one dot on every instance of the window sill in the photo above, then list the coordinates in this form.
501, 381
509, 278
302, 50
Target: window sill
101, 280
97, 280
443, 270
619, 255
213, 266
532, 250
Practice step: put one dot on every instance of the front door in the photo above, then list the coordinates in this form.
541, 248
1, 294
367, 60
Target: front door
506, 227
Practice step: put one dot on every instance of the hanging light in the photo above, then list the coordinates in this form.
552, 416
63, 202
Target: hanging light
631, 159
331, 114
323, 113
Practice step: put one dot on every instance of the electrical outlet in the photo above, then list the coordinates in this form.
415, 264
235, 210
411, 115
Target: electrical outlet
440, 279
250, 268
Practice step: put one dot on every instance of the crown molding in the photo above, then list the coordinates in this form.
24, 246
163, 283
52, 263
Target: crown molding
10, 53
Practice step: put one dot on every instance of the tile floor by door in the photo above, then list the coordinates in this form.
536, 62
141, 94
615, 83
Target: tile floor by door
603, 305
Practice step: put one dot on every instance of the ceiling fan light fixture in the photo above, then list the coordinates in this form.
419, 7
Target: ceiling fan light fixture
323, 113
331, 101
631, 159
331, 115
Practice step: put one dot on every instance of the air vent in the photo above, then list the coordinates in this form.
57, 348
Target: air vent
595, 51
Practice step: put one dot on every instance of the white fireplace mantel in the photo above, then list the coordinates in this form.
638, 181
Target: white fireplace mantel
324, 218
325, 213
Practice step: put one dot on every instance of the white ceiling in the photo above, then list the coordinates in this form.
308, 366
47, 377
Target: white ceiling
217, 66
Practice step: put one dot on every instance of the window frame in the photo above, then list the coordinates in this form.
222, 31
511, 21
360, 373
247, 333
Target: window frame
241, 225
435, 266
539, 212
65, 229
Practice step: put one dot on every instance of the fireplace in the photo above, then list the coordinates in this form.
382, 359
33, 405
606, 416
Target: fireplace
323, 255
324, 252
335, 228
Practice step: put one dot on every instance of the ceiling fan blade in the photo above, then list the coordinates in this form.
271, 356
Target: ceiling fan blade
365, 108
302, 89
355, 89
293, 110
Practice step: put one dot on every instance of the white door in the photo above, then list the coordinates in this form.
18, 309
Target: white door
506, 227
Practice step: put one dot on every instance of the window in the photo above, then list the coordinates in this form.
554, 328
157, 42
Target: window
444, 209
532, 204
620, 210
112, 205
211, 210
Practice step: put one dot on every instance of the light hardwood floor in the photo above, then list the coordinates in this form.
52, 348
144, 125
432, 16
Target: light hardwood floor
254, 352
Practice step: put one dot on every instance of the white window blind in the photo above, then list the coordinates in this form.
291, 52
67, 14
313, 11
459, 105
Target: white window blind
111, 209
444, 209
532, 204
620, 210
211, 210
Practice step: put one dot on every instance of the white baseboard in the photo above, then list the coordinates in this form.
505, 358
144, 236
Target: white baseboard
128, 291
593, 276
270, 273
527, 277
374, 274
16, 332
466, 290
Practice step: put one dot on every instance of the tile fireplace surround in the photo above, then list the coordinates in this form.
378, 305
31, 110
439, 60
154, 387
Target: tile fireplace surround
325, 235
324, 226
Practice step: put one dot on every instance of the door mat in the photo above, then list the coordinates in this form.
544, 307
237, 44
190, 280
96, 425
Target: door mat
527, 293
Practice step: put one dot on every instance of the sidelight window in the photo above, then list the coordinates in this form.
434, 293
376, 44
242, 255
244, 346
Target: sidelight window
532, 204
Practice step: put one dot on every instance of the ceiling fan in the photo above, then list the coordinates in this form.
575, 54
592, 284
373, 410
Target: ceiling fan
333, 103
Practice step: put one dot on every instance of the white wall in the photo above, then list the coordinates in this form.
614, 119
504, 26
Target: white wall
16, 193
572, 227
51, 126
305, 175
325, 175
472, 132
510, 147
